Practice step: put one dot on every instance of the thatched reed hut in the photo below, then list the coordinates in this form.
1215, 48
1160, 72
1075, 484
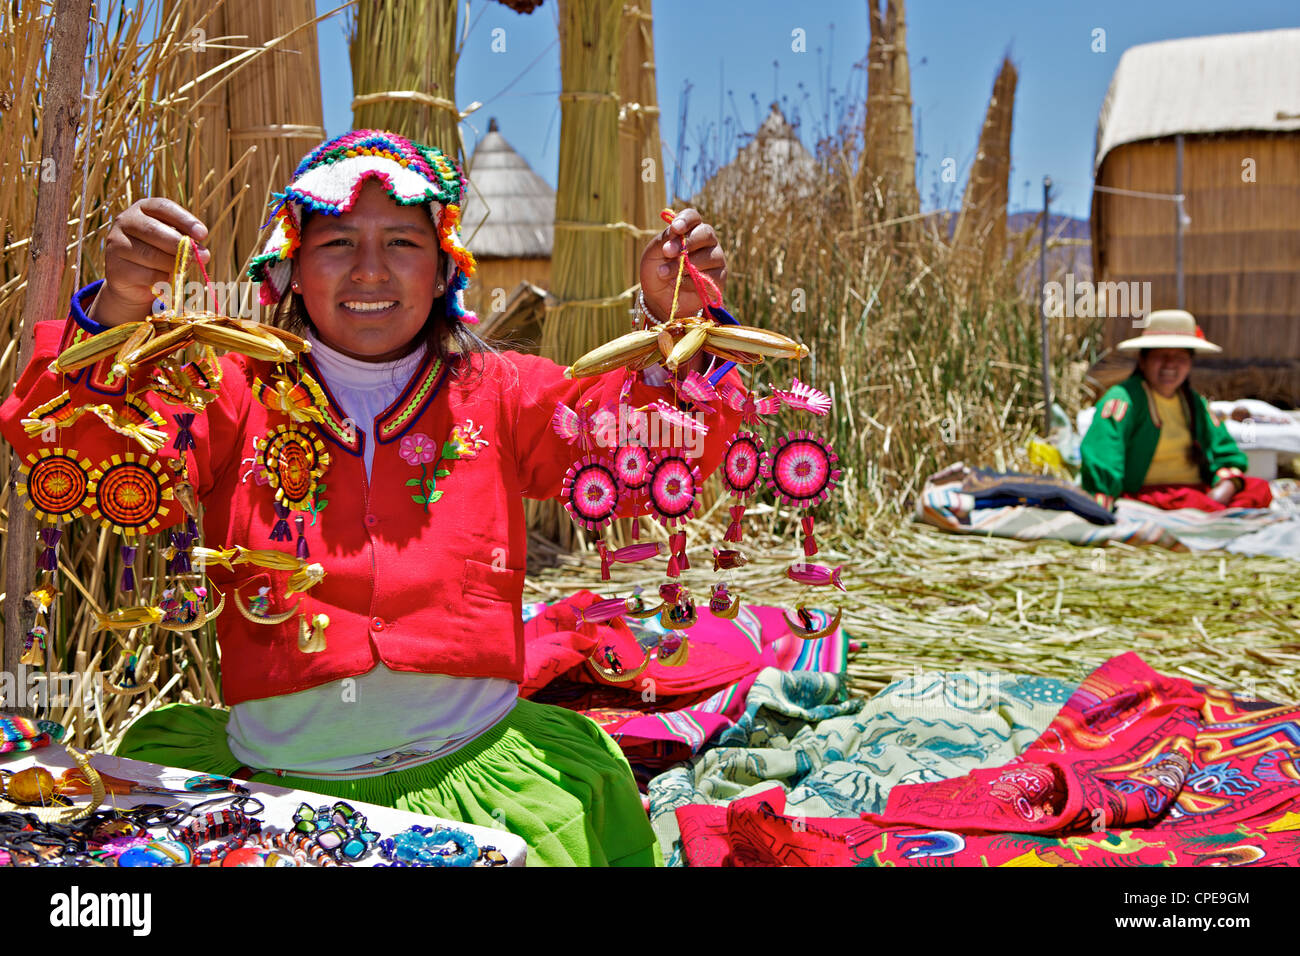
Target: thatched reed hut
509, 223
1235, 101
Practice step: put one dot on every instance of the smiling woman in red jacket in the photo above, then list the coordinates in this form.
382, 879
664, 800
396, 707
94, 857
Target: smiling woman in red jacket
413, 700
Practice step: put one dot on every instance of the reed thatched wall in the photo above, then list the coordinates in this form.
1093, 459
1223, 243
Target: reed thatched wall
1241, 248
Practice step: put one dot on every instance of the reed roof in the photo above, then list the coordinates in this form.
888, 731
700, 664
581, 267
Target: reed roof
1215, 84
775, 155
510, 211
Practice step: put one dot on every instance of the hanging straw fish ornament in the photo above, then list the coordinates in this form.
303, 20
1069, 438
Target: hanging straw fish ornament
804, 398
304, 579
220, 556
816, 575
602, 611
126, 618
807, 628
728, 560
629, 554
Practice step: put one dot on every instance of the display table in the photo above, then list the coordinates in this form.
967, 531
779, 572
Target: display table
280, 803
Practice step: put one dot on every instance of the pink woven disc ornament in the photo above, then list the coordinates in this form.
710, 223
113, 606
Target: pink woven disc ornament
591, 493
742, 464
674, 483
632, 464
800, 468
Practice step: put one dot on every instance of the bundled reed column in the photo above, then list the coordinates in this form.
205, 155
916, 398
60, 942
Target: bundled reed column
980, 237
274, 103
403, 56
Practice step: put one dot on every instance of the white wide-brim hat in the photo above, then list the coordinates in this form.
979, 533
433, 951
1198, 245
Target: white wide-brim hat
1170, 329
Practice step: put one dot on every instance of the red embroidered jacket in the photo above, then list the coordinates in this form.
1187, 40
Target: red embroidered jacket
429, 591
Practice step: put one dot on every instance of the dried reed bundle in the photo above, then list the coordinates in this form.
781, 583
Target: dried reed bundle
888, 168
404, 70
981, 231
274, 103
640, 152
194, 165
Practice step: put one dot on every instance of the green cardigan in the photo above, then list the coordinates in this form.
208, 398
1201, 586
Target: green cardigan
1122, 439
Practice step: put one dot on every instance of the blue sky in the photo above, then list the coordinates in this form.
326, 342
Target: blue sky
726, 50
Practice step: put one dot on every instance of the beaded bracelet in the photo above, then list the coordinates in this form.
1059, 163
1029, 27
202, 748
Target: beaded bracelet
218, 826
300, 846
422, 846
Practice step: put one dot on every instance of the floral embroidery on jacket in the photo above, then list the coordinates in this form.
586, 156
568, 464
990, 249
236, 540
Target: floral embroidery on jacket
420, 449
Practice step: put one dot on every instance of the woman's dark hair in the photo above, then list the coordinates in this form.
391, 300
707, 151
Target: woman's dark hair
443, 335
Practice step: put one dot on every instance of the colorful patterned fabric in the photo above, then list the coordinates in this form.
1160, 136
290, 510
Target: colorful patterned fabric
1137, 770
991, 489
20, 733
839, 756
667, 713
945, 506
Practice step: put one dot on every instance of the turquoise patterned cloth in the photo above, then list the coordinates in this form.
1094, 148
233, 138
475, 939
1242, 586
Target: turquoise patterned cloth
839, 757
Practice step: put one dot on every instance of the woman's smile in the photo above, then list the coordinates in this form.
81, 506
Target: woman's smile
369, 277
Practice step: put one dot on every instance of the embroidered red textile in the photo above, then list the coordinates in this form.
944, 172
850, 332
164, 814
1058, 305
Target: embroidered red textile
1137, 770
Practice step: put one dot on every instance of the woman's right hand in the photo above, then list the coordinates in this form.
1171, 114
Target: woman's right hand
140, 253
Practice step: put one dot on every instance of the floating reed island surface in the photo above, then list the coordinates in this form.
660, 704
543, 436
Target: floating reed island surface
922, 600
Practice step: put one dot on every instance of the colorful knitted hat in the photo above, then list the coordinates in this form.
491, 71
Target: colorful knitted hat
329, 180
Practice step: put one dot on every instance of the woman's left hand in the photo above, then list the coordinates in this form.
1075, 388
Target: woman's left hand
1223, 491
659, 265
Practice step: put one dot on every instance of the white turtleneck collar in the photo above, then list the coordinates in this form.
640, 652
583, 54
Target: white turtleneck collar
363, 390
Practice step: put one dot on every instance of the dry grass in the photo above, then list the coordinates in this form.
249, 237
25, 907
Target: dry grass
919, 599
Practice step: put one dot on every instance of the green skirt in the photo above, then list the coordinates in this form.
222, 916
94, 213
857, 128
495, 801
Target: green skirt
546, 774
